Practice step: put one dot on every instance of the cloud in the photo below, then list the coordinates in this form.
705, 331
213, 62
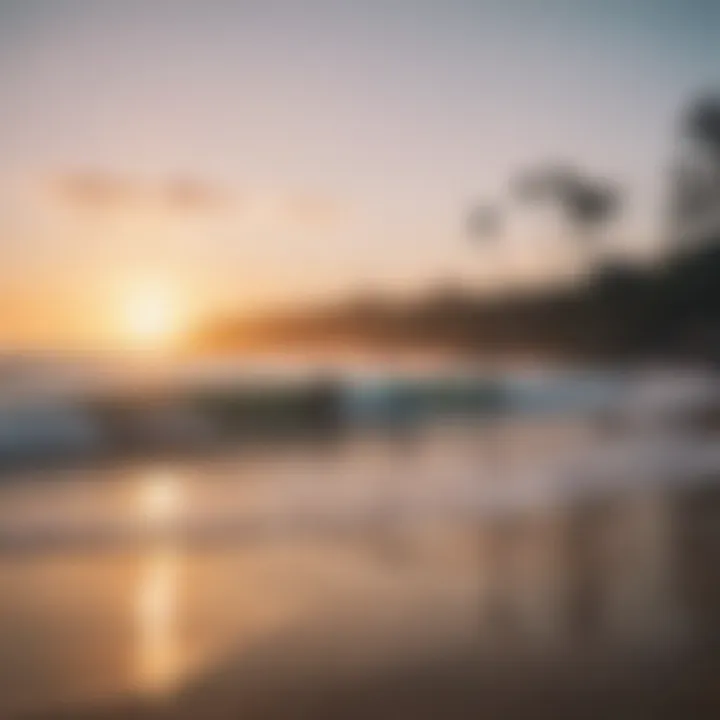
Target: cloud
93, 191
188, 194
102, 191
104, 194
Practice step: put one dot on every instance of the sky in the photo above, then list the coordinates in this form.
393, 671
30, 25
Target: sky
243, 155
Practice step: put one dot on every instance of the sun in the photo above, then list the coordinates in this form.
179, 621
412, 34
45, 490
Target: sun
152, 316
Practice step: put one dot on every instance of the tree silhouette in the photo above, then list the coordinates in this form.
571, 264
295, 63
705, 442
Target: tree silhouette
702, 122
694, 212
484, 222
587, 203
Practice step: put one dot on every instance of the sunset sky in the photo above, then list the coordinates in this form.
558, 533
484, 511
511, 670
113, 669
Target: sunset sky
240, 154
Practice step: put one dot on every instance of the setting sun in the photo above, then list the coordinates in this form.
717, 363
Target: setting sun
152, 316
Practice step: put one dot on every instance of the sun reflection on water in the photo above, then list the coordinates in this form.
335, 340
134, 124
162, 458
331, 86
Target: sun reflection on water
160, 497
158, 651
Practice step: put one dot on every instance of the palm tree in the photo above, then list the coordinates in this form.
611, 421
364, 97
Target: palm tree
587, 203
695, 182
485, 225
702, 122
484, 222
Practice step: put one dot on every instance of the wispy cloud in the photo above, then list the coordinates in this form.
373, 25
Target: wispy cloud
104, 193
101, 191
92, 191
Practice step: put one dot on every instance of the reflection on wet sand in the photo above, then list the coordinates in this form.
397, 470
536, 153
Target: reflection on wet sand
605, 606
157, 609
602, 586
598, 573
159, 496
159, 503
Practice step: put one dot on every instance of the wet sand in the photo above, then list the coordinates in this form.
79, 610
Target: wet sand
606, 606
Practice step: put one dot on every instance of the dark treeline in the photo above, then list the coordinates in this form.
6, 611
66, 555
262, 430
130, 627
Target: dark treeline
620, 310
